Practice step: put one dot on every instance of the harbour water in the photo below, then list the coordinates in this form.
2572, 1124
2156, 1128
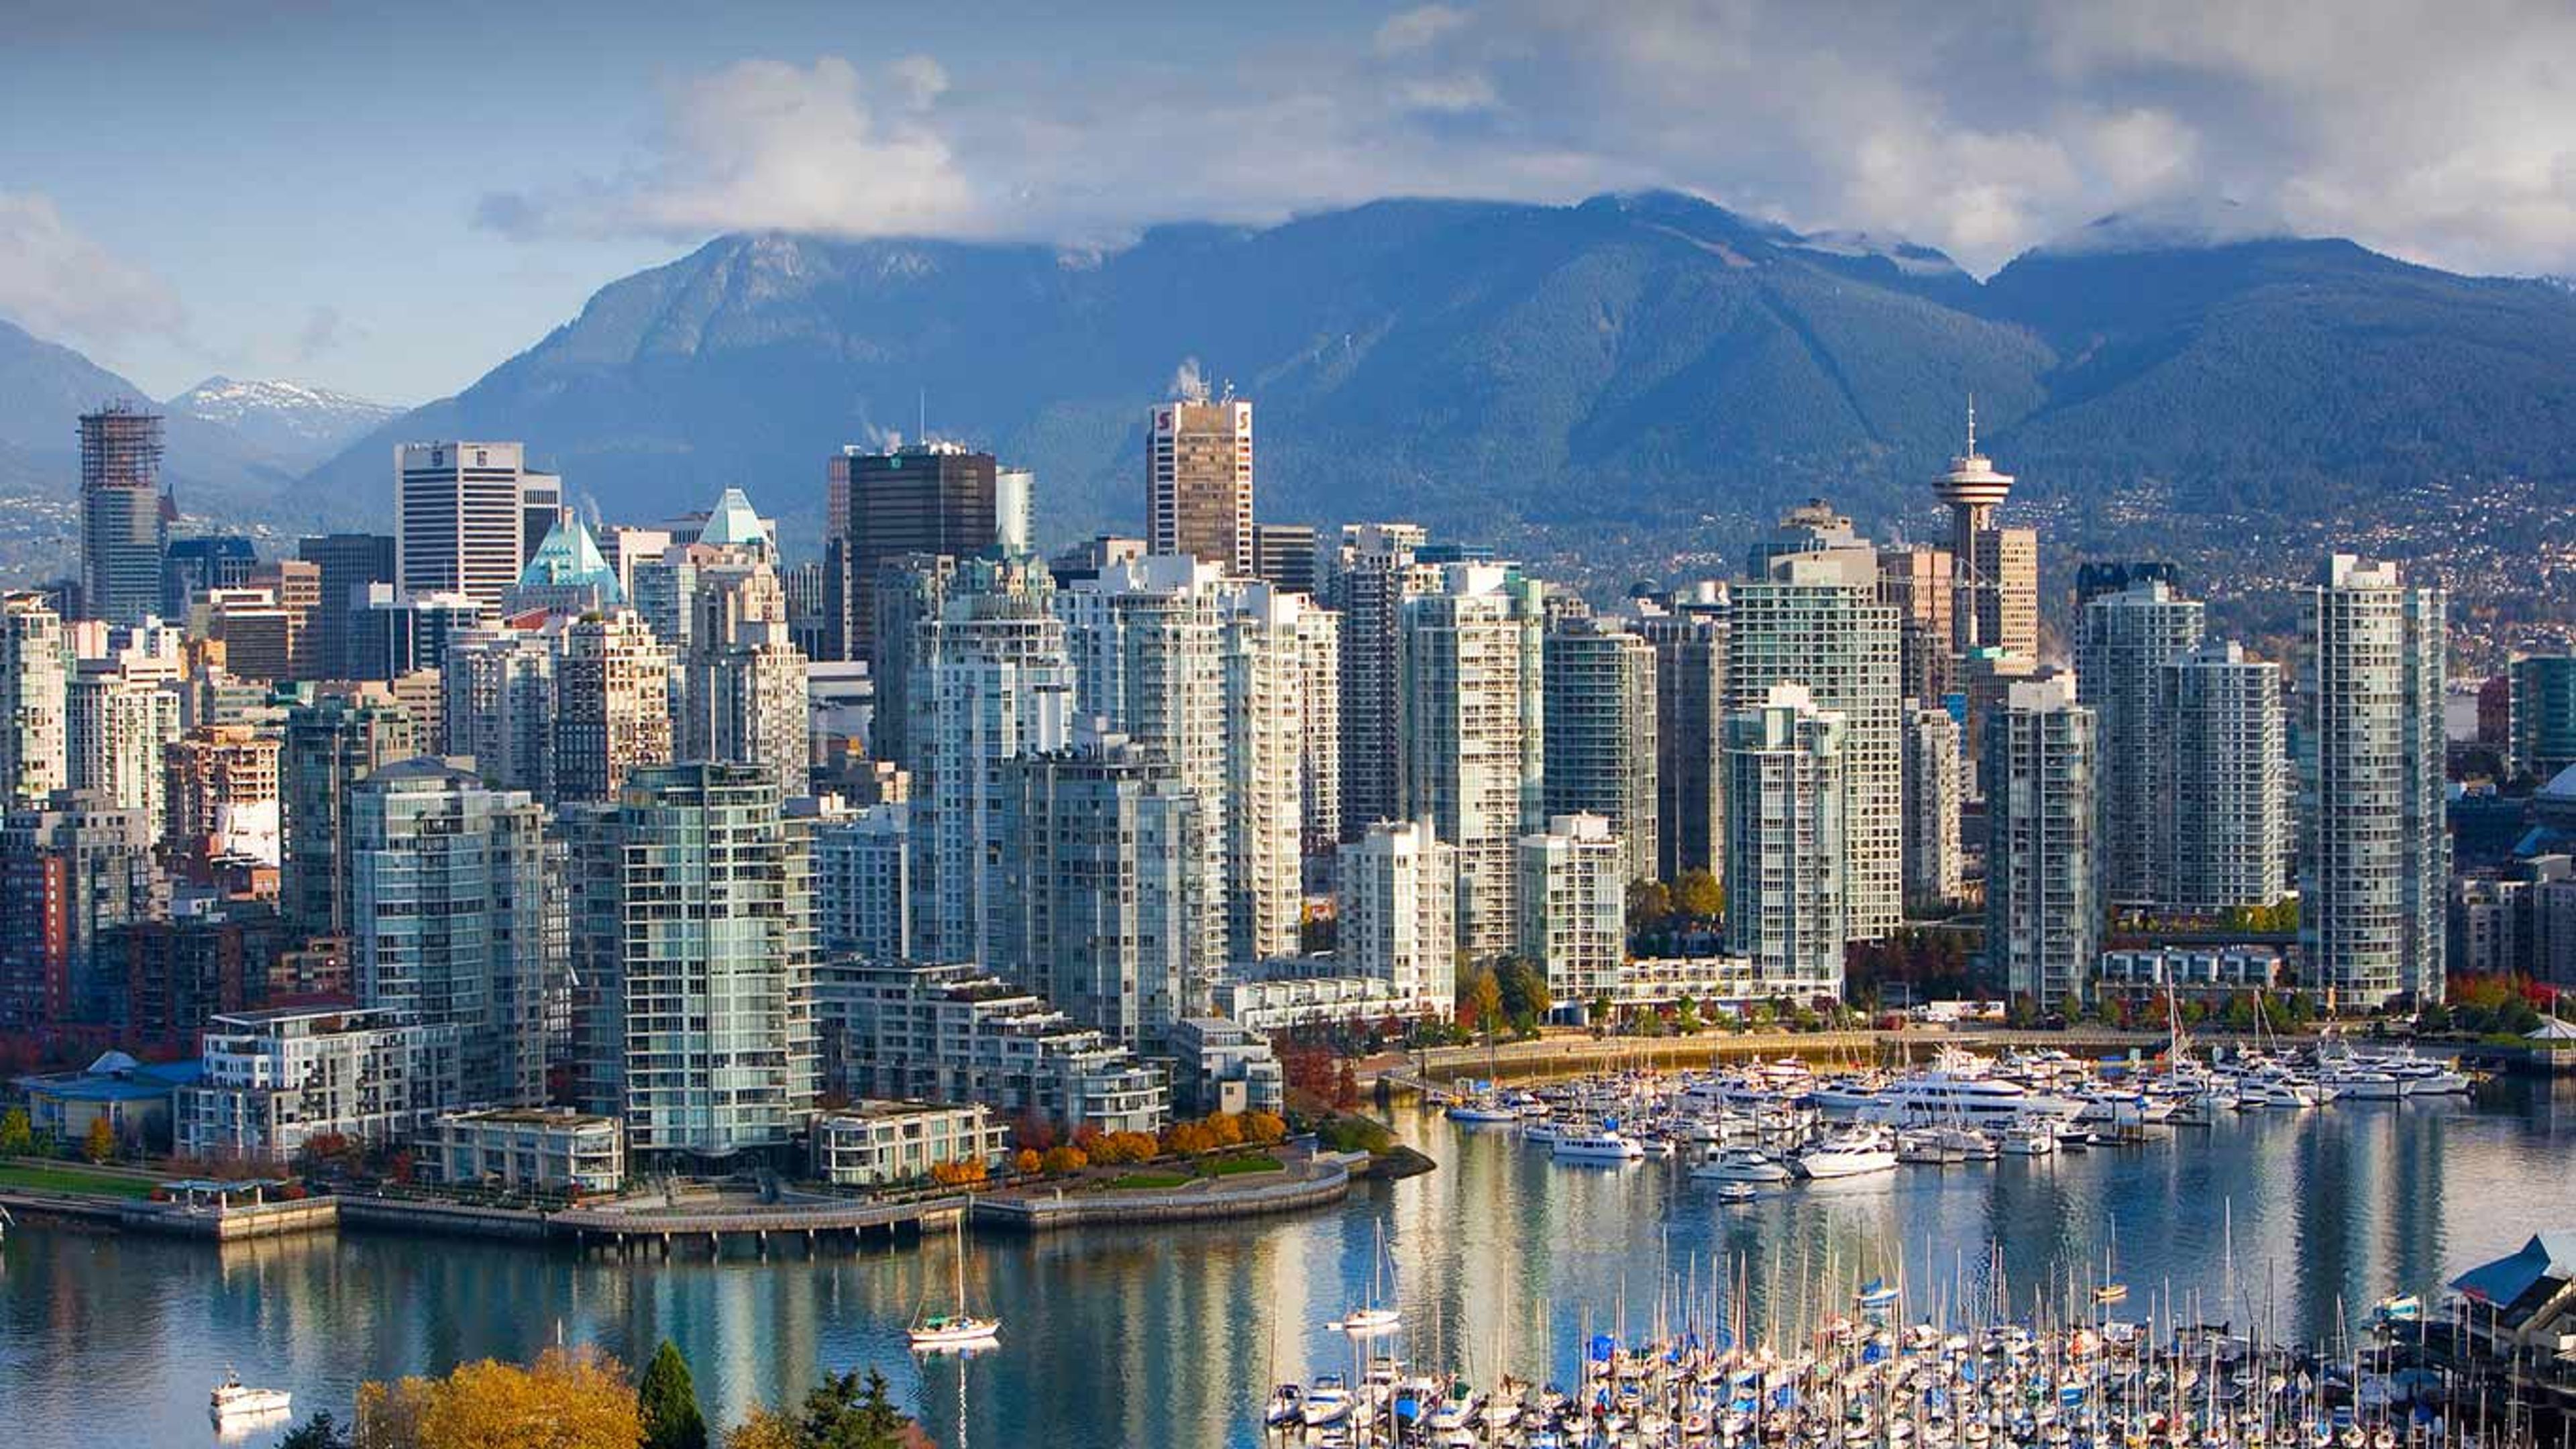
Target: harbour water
1144, 1340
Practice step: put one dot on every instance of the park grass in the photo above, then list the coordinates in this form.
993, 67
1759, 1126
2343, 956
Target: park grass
1147, 1181
71, 1180
1241, 1163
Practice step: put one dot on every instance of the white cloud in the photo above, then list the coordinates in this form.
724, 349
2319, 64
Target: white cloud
63, 286
2443, 133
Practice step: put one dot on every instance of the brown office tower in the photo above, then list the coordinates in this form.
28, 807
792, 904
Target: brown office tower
938, 499
1198, 482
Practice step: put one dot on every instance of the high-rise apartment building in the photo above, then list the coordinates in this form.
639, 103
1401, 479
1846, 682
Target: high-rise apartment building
743, 691
121, 708
348, 564
863, 882
463, 515
2222, 828
612, 705
1396, 898
1573, 898
331, 745
449, 918
498, 707
71, 869
931, 498
1277, 650
1372, 573
1934, 781
125, 517
2375, 859
1319, 766
1198, 482
696, 951
909, 589
221, 794
1283, 556
1473, 708
1788, 804
2125, 642
2043, 913
2541, 715
1816, 621
35, 665
1920, 582
1688, 634
1107, 908
1601, 743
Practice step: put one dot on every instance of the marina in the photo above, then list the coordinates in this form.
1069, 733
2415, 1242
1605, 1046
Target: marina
1174, 1337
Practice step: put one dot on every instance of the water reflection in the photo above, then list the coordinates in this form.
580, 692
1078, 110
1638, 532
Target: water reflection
1169, 1339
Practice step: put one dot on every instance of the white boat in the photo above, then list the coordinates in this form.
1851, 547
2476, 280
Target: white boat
1287, 1406
1856, 1153
234, 1402
1606, 1145
1737, 1192
959, 1330
1956, 1088
1377, 1316
2028, 1139
1482, 1112
1741, 1164
1326, 1402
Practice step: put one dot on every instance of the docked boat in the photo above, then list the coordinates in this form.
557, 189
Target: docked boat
2028, 1139
1855, 1153
1482, 1112
1608, 1145
234, 1402
1742, 1164
1325, 1401
1287, 1406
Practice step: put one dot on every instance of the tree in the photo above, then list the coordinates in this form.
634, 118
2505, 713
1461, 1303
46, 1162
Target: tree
1698, 895
668, 1402
319, 1432
565, 1401
1060, 1160
1482, 1006
1650, 904
1264, 1128
1524, 988
100, 1143
17, 1133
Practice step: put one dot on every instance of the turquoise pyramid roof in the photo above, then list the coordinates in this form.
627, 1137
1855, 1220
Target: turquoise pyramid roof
569, 556
734, 522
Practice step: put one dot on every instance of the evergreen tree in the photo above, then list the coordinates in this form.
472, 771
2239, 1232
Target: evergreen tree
668, 1402
319, 1432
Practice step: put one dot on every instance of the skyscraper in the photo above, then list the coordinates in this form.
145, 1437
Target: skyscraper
2043, 915
744, 689
612, 705
931, 498
349, 562
2375, 861
125, 519
1601, 744
35, 662
463, 512
1788, 812
1997, 600
71, 868
2541, 714
1198, 481
1816, 621
331, 745
499, 707
1473, 707
696, 950
2127, 639
1933, 791
1920, 583
449, 907
121, 708
1573, 908
1283, 555
2222, 827
1373, 572
1396, 891
1273, 645
1688, 635
221, 794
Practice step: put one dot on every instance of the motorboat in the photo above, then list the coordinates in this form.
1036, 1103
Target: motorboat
1605, 1146
234, 1402
2028, 1139
1737, 1192
1287, 1406
1326, 1402
1854, 1153
1742, 1164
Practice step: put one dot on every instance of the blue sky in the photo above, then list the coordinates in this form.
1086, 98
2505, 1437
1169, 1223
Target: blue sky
391, 201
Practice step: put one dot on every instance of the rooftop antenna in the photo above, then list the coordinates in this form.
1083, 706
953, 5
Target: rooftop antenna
1972, 425
924, 419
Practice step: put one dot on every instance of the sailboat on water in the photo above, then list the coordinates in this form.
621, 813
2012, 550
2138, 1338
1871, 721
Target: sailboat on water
961, 1329
1376, 1316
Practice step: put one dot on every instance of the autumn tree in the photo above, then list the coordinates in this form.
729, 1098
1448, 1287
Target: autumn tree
100, 1143
1482, 1006
565, 1401
17, 1133
1698, 895
668, 1402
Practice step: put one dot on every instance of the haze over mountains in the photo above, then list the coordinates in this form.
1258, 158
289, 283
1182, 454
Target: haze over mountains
1634, 367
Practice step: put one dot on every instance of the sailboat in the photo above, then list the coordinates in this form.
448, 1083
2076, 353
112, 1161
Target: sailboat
960, 1329
1374, 1318
2111, 1290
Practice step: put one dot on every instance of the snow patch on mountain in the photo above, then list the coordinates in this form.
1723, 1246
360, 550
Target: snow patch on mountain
291, 417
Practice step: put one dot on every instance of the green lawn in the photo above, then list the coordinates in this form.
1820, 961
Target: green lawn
1248, 1162
67, 1179
1147, 1181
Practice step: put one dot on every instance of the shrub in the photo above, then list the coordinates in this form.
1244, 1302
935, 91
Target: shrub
1264, 1127
1062, 1160
1026, 1162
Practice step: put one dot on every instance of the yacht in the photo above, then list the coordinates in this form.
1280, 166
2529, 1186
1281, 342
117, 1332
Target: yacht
1287, 1406
1327, 1402
1606, 1145
1860, 1151
1941, 1095
1741, 1164
234, 1402
2028, 1139
1482, 1112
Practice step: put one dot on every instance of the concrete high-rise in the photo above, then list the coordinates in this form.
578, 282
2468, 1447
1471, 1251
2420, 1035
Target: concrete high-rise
1816, 621
449, 908
1373, 572
1396, 898
2222, 826
930, 498
1473, 708
1198, 481
2043, 913
221, 791
2126, 640
693, 898
743, 694
125, 517
349, 563
2541, 715
122, 707
331, 745
463, 512
71, 868
1934, 788
1997, 569
1278, 741
1283, 556
1688, 635
35, 666
1601, 743
612, 705
1788, 816
499, 707
1920, 582
2375, 857
1573, 899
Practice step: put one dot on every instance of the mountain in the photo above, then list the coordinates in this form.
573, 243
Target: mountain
1630, 378
297, 422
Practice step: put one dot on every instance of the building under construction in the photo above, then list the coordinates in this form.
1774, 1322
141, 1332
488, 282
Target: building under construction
125, 520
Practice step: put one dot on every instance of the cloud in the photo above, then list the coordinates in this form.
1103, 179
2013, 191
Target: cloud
324, 330
1189, 384
1983, 128
61, 285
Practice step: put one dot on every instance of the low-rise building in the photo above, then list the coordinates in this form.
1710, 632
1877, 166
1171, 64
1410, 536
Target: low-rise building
956, 1033
531, 1148
134, 1098
275, 1079
1309, 991
1715, 983
2189, 970
1219, 1065
875, 1143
